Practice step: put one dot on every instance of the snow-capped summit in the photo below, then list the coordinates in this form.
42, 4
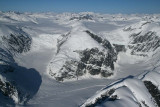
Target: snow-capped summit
82, 53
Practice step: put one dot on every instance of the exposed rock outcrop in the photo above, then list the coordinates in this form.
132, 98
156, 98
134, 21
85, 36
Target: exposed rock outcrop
140, 44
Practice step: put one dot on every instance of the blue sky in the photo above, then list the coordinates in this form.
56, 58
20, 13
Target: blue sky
102, 6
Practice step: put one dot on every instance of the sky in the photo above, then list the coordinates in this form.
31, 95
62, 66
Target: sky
100, 6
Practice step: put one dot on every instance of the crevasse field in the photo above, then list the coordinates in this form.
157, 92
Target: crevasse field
79, 60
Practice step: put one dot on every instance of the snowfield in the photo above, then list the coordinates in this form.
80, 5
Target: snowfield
79, 60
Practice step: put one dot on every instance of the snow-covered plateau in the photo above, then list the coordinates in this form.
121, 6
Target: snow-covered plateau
79, 60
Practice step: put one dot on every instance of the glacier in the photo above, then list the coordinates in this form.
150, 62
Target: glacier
79, 59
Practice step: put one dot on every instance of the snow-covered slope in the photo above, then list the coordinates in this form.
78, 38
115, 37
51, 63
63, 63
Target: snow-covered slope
17, 83
132, 91
42, 53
